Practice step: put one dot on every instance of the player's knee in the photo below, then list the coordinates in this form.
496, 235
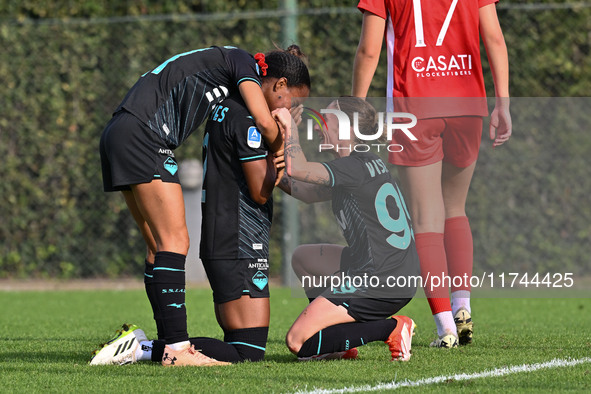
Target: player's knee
176, 242
294, 344
428, 225
184, 241
297, 262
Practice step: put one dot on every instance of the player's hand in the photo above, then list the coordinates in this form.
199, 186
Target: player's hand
279, 159
279, 163
500, 128
283, 118
296, 114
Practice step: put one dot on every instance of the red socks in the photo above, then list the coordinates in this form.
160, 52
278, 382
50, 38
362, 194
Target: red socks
443, 258
431, 251
459, 251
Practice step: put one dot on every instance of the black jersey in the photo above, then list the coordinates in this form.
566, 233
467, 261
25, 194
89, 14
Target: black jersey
234, 226
177, 96
371, 213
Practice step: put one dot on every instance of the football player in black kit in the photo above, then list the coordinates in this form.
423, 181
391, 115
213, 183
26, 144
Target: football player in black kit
370, 210
137, 154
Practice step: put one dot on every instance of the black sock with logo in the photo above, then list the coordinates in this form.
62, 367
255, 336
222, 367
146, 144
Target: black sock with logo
151, 292
345, 336
169, 296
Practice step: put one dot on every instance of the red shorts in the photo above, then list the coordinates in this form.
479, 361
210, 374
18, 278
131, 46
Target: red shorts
454, 140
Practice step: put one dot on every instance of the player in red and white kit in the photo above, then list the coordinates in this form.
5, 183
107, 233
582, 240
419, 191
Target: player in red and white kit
434, 72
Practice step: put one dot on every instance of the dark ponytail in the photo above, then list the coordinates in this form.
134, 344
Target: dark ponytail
290, 64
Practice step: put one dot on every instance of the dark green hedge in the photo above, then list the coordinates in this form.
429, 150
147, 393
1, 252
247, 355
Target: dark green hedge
64, 67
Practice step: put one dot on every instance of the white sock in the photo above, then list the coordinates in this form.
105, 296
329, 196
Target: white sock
144, 351
460, 299
180, 345
445, 323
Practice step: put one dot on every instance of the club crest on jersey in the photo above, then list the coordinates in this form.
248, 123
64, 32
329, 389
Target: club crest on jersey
260, 280
254, 137
170, 165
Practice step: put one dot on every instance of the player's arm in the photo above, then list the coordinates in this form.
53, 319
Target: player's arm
257, 107
297, 166
492, 36
260, 177
368, 53
305, 192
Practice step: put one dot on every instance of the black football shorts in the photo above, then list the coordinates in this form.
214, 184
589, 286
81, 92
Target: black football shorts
365, 303
131, 153
232, 279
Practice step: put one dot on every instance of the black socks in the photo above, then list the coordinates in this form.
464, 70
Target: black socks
168, 291
345, 336
247, 344
151, 292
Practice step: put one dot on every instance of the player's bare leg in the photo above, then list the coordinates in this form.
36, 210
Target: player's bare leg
318, 315
244, 312
325, 331
422, 187
316, 260
459, 244
245, 322
424, 197
142, 225
161, 206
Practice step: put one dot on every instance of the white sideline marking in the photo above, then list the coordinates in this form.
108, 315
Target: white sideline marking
556, 363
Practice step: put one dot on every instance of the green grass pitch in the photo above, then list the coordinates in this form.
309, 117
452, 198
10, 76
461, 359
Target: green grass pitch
46, 339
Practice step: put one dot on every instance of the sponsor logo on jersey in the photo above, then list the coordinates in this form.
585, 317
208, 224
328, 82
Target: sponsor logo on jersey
167, 152
442, 66
260, 280
257, 246
260, 265
170, 165
254, 137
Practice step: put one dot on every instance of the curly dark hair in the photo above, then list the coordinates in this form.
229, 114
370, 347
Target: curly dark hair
289, 63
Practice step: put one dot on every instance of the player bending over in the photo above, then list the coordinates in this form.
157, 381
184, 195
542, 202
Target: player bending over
239, 177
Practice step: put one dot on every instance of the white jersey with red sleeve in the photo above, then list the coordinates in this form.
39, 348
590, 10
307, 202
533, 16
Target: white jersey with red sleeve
434, 51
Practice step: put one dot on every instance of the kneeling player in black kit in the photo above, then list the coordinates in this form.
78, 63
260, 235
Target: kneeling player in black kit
370, 210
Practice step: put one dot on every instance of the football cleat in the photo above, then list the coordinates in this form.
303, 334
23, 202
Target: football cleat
464, 325
445, 341
400, 339
121, 348
350, 354
188, 357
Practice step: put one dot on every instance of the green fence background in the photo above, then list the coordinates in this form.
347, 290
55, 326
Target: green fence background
64, 67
